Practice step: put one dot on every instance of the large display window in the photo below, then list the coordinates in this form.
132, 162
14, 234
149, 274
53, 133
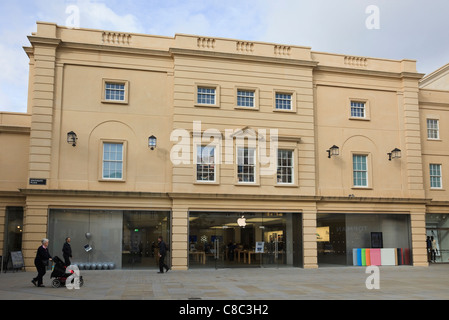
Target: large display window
339, 234
109, 238
245, 239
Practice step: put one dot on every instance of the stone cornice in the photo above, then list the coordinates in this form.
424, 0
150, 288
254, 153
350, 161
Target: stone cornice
363, 72
244, 57
375, 200
112, 48
44, 41
219, 196
15, 129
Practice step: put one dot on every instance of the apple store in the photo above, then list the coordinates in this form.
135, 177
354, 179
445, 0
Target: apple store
244, 239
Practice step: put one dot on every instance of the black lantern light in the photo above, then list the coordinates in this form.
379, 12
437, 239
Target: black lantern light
71, 138
152, 142
394, 154
333, 151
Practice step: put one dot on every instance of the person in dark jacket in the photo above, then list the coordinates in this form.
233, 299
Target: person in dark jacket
162, 254
41, 263
67, 252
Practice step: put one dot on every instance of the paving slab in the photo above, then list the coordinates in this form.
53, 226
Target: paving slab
330, 283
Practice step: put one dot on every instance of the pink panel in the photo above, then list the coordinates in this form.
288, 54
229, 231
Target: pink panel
375, 257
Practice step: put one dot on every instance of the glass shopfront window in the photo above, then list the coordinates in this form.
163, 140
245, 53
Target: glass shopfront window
339, 234
14, 229
244, 239
109, 238
437, 226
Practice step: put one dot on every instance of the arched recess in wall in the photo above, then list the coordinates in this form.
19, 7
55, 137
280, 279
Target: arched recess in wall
363, 145
112, 131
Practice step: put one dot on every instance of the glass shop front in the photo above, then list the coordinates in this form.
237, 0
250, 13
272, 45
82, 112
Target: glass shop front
244, 239
339, 236
437, 229
108, 239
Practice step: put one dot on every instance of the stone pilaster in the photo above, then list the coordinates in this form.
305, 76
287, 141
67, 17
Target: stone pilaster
42, 102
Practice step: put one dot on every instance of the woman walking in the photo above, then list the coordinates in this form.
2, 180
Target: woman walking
41, 263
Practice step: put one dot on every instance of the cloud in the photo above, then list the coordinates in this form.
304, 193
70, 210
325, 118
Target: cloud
99, 16
412, 29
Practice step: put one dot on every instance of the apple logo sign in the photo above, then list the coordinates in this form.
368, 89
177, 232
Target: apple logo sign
241, 221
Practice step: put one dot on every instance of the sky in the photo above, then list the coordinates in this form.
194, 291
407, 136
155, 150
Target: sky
391, 29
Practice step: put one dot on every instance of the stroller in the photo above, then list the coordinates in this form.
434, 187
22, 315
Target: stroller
60, 274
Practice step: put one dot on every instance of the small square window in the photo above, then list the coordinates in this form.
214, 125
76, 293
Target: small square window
115, 91
358, 109
206, 96
283, 101
246, 98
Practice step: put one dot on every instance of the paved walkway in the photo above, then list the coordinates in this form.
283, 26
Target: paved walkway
337, 283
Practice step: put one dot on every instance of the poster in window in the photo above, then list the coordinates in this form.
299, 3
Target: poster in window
376, 240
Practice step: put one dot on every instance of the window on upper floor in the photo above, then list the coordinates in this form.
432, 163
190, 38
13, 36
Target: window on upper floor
115, 91
433, 129
246, 165
284, 101
207, 95
358, 109
205, 164
246, 98
435, 176
285, 167
360, 170
112, 168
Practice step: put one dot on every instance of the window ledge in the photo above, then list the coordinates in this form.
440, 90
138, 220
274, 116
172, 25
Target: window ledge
284, 110
114, 102
206, 105
246, 108
286, 185
361, 119
111, 180
208, 183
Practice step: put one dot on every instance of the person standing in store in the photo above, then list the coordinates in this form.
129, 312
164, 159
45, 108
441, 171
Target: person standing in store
434, 249
67, 251
429, 248
41, 263
162, 254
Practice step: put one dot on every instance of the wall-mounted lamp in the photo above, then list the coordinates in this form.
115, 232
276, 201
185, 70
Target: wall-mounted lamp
333, 151
71, 138
394, 154
152, 142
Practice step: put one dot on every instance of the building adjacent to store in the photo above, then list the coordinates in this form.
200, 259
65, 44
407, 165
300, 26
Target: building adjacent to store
236, 152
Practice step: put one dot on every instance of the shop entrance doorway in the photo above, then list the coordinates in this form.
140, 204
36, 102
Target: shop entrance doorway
244, 239
437, 226
141, 230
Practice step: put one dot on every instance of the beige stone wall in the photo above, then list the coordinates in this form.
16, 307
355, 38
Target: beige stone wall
228, 75
434, 104
14, 146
